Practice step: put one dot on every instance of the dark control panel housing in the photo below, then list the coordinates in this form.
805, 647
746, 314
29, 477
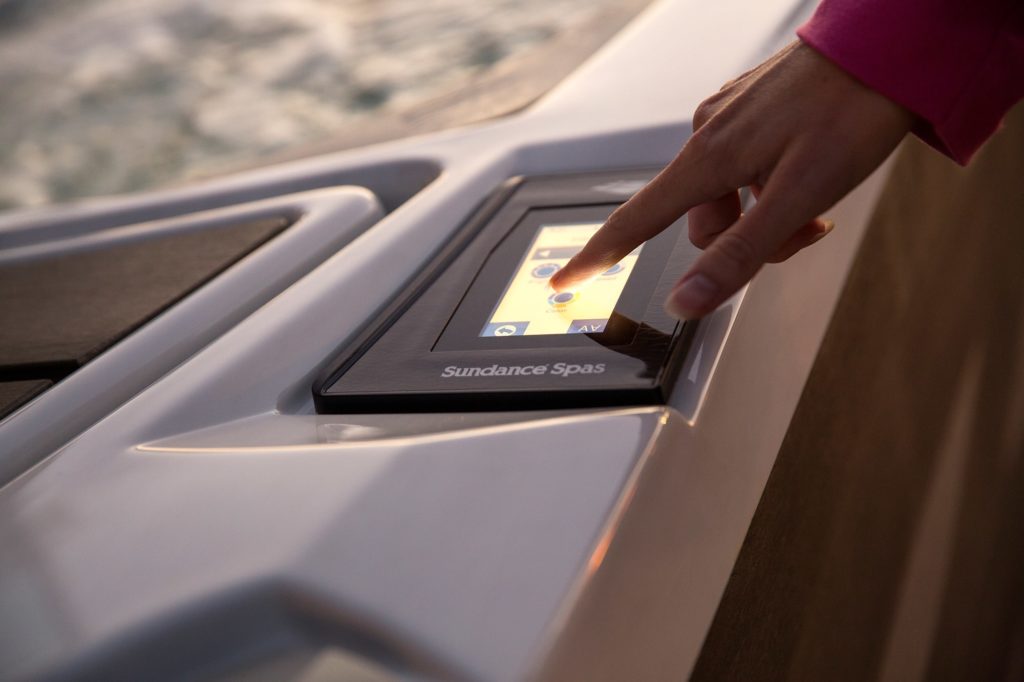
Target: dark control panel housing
426, 351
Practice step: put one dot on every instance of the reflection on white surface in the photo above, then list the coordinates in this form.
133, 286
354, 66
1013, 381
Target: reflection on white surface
702, 358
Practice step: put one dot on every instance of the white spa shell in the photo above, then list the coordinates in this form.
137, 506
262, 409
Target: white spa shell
176, 509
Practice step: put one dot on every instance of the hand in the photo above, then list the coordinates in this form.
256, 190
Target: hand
799, 131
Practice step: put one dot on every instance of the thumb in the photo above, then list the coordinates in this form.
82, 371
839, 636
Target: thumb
736, 254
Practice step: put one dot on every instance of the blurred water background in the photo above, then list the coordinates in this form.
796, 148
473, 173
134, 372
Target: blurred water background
110, 96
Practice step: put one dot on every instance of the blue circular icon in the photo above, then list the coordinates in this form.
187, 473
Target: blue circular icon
561, 298
614, 270
546, 270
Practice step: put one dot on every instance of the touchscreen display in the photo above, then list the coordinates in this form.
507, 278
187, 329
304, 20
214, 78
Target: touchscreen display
528, 306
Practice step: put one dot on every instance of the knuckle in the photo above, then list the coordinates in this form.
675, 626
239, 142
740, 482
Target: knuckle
702, 242
703, 142
715, 141
703, 223
704, 112
737, 250
728, 85
697, 235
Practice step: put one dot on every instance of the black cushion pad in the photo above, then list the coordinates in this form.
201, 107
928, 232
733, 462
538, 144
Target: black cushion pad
14, 394
60, 312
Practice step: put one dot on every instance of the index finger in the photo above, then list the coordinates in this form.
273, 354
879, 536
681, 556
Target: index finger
682, 185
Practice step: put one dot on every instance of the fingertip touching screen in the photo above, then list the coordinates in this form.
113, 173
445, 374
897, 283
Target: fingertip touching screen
510, 302
529, 306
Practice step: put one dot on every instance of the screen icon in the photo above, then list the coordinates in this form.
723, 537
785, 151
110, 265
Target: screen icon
613, 270
546, 270
587, 326
561, 298
505, 329
550, 252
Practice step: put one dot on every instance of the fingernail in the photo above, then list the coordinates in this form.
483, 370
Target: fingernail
691, 298
828, 227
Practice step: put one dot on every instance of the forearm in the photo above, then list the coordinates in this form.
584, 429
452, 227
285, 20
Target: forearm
956, 64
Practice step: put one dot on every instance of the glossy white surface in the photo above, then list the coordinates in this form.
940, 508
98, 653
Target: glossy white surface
453, 545
324, 220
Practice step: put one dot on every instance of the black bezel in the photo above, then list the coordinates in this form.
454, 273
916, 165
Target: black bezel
471, 312
399, 362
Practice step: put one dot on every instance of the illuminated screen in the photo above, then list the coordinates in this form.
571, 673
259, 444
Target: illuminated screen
529, 306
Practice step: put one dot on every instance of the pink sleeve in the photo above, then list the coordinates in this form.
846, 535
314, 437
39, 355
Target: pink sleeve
957, 64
